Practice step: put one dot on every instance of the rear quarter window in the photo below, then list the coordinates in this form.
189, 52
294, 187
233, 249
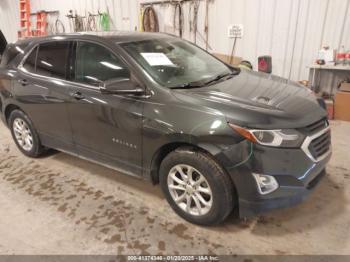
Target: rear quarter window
52, 59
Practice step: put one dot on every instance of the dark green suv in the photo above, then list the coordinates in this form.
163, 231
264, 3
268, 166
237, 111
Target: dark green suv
162, 109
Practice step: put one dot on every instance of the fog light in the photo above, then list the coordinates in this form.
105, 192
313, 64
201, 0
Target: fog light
266, 184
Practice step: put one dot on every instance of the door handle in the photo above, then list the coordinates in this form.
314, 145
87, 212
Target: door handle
23, 82
77, 95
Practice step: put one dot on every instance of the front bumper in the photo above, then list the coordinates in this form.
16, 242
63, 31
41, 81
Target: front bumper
285, 196
296, 174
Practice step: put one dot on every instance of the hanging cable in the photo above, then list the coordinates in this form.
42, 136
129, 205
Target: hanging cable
141, 29
193, 18
206, 24
71, 20
91, 22
178, 25
104, 21
59, 27
79, 23
150, 20
54, 25
76, 21
190, 22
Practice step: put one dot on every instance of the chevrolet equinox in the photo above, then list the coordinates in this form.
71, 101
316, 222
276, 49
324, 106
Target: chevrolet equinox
159, 108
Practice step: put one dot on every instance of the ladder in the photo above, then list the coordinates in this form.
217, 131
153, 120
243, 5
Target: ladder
24, 16
41, 23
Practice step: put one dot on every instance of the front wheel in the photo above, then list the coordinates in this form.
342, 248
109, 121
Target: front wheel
196, 187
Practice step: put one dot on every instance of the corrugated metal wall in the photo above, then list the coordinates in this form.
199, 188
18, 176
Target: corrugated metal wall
291, 31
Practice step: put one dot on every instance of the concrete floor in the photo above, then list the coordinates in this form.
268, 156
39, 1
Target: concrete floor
63, 205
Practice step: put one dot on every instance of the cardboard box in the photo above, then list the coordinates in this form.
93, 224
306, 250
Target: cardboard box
226, 59
345, 87
342, 106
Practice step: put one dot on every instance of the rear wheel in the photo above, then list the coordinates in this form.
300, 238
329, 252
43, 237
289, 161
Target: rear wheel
196, 187
24, 134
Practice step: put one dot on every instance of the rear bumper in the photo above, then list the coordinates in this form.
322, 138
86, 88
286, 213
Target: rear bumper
297, 176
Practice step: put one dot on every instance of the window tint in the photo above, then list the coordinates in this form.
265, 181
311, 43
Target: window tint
52, 59
95, 64
29, 64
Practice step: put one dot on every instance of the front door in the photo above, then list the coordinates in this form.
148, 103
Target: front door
106, 128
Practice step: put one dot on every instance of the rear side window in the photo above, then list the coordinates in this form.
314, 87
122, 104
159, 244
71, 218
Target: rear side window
52, 59
29, 64
96, 64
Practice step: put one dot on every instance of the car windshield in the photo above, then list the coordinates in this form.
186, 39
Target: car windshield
175, 63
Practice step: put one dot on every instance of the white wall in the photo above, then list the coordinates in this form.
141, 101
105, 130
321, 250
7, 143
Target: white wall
292, 31
9, 19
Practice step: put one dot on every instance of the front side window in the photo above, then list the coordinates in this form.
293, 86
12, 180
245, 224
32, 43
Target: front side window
29, 64
173, 62
96, 64
52, 59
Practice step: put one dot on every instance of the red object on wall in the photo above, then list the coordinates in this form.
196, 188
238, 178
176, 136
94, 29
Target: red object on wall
262, 65
24, 16
265, 64
41, 23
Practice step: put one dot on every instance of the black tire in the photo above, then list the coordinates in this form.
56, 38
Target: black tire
37, 149
223, 196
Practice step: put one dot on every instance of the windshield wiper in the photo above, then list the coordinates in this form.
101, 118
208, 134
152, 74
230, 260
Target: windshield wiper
225, 76
188, 85
199, 84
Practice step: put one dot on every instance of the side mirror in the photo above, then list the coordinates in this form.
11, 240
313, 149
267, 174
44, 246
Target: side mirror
121, 86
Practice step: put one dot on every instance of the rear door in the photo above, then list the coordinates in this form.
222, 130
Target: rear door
106, 127
42, 90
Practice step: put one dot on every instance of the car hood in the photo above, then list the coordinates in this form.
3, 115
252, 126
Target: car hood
257, 100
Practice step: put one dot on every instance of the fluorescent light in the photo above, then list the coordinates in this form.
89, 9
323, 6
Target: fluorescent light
92, 78
46, 63
58, 37
99, 100
107, 64
57, 82
19, 49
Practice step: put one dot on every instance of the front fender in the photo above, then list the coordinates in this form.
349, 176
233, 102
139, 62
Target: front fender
166, 127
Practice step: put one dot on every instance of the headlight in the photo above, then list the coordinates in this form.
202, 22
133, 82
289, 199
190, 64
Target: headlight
274, 138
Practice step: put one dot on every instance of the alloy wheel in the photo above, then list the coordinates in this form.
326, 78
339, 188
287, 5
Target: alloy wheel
190, 190
23, 134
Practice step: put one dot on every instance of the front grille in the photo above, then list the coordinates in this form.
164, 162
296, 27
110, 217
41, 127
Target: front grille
320, 145
317, 126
